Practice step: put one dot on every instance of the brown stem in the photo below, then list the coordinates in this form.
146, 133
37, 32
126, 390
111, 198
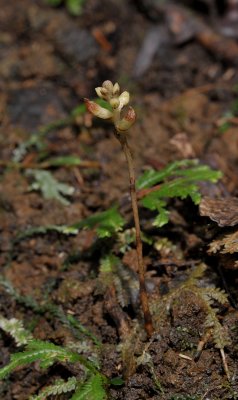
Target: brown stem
144, 192
141, 269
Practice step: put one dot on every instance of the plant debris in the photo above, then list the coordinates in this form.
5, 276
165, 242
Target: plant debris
69, 288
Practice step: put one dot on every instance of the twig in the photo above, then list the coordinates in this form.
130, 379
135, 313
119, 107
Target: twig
225, 366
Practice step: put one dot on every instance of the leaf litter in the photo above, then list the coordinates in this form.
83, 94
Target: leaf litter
168, 106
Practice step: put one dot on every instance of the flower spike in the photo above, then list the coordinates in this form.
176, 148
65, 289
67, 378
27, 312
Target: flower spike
111, 93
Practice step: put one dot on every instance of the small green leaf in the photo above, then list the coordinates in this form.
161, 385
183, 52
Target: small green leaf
201, 173
176, 188
189, 168
182, 177
103, 103
78, 110
106, 223
162, 218
152, 177
75, 6
49, 186
67, 230
118, 381
224, 127
42, 230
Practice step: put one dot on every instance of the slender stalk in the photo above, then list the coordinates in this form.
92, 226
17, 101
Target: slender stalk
117, 101
141, 269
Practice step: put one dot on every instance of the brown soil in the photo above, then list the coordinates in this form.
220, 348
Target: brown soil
49, 62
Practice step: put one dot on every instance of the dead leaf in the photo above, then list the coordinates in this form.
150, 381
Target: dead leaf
227, 244
224, 211
183, 145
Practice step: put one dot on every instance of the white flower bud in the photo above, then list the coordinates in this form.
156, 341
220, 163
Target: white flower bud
108, 86
97, 110
98, 90
124, 99
116, 89
101, 92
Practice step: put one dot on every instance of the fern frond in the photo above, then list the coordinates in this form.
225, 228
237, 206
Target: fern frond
114, 273
196, 274
60, 386
130, 285
226, 244
107, 223
220, 336
15, 328
108, 277
49, 353
46, 352
214, 293
56, 311
121, 293
79, 329
92, 389
219, 333
107, 270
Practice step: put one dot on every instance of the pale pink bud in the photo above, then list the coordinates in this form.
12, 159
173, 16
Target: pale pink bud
125, 123
124, 99
97, 110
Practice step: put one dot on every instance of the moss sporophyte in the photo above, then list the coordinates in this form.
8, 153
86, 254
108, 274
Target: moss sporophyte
117, 101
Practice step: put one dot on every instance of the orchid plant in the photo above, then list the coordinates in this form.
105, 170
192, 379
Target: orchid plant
111, 93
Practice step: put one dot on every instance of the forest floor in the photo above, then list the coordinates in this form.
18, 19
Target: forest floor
183, 84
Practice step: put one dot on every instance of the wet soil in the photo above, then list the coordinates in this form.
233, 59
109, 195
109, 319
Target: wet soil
50, 60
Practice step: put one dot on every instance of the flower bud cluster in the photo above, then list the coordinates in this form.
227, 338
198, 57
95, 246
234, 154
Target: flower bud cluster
111, 93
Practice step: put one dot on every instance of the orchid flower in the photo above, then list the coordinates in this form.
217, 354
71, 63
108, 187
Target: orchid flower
111, 93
